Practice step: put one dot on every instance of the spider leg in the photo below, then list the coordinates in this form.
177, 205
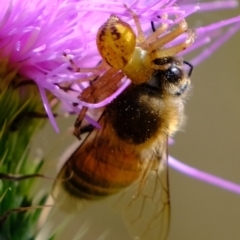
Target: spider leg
174, 50
160, 42
140, 33
157, 32
95, 70
100, 89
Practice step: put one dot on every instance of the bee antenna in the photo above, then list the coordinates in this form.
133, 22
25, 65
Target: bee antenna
153, 26
190, 66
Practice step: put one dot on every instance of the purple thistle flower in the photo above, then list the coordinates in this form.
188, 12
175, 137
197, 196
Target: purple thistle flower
35, 34
38, 55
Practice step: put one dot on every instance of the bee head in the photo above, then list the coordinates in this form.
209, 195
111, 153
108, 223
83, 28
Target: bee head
171, 76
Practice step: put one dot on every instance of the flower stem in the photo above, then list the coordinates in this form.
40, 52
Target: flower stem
17, 128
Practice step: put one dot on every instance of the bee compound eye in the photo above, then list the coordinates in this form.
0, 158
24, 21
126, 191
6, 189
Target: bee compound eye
173, 74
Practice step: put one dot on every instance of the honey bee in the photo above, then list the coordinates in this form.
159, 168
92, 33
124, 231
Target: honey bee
128, 154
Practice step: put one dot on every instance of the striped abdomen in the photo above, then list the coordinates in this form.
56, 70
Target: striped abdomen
99, 168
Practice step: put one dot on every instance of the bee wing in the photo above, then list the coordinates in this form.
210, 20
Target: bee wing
63, 199
145, 206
